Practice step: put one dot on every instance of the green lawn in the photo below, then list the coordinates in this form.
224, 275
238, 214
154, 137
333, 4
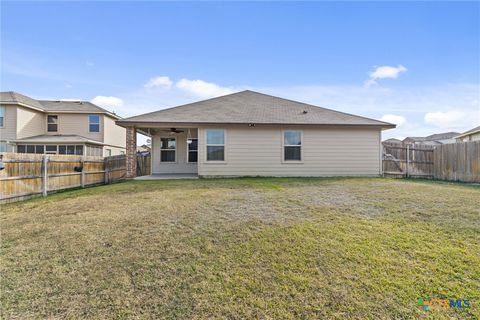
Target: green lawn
243, 248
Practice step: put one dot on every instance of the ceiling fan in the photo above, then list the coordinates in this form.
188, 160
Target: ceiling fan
174, 131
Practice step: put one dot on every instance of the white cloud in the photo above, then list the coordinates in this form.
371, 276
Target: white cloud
68, 86
448, 119
202, 88
395, 119
384, 72
159, 82
108, 102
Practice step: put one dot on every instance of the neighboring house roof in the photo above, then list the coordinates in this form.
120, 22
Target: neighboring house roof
11, 97
433, 138
414, 139
64, 138
442, 136
392, 140
252, 107
17, 98
74, 106
469, 132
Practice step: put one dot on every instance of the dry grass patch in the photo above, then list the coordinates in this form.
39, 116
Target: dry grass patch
242, 248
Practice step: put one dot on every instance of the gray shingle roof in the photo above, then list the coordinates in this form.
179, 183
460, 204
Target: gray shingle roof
441, 136
252, 107
63, 138
71, 106
17, 98
52, 105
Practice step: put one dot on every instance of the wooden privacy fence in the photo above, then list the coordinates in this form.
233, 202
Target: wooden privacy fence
407, 161
27, 175
452, 162
457, 162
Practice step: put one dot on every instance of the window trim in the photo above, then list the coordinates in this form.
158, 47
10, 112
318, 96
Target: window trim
224, 145
56, 115
4, 116
188, 151
302, 144
176, 147
99, 123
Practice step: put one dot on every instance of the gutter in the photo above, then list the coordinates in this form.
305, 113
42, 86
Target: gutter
152, 124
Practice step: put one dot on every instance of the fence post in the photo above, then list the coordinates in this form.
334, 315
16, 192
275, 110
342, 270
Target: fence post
106, 179
407, 173
82, 176
45, 175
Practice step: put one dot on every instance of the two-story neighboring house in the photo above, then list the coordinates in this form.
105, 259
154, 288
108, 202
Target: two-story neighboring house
58, 127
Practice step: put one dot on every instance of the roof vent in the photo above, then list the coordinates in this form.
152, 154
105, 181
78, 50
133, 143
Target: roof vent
305, 111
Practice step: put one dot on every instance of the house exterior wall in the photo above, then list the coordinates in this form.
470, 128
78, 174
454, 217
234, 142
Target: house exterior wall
9, 129
115, 151
113, 135
257, 151
180, 165
76, 123
30, 122
471, 137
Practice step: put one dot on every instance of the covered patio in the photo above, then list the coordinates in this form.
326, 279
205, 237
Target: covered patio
174, 151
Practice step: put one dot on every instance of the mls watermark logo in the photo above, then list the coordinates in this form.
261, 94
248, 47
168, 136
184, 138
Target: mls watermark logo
443, 304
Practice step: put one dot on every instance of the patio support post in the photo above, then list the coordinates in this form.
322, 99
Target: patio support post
131, 153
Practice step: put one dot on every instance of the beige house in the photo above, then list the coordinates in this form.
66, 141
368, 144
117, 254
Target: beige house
58, 127
470, 135
253, 134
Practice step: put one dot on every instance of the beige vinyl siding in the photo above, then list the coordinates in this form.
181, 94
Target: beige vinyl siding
115, 150
471, 137
112, 134
30, 122
257, 151
181, 165
9, 129
76, 123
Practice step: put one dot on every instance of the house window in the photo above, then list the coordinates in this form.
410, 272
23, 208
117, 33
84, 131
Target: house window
94, 123
215, 145
93, 151
2, 116
79, 150
51, 149
52, 123
193, 151
168, 148
3, 147
292, 145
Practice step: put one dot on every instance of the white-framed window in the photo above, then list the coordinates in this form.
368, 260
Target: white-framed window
292, 145
52, 123
94, 123
192, 156
215, 144
2, 116
168, 149
93, 151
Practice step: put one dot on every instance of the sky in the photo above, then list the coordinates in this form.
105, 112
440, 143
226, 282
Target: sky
416, 64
